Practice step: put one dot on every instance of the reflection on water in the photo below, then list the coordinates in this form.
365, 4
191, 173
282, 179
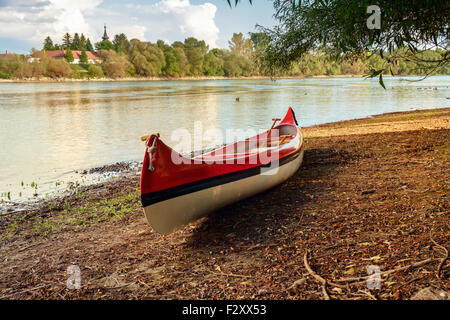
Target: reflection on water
48, 130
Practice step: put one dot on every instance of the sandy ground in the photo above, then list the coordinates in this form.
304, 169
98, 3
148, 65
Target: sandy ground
390, 122
370, 193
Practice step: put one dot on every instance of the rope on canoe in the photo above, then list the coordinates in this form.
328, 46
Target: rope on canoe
151, 150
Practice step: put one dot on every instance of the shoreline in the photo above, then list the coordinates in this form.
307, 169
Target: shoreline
362, 196
202, 78
123, 169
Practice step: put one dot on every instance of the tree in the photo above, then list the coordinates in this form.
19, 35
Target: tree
214, 62
231, 66
195, 51
172, 63
178, 44
68, 55
57, 68
89, 46
95, 71
115, 65
348, 27
66, 41
121, 43
83, 57
240, 46
246, 56
183, 62
48, 44
172, 67
104, 45
76, 42
242, 49
147, 58
259, 39
83, 42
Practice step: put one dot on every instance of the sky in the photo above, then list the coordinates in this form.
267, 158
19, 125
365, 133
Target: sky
24, 24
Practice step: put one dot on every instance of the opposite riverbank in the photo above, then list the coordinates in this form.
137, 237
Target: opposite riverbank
372, 191
202, 78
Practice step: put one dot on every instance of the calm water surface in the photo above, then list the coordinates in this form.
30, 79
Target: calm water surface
50, 130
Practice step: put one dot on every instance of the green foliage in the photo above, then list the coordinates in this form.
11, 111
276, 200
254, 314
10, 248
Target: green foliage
13, 66
195, 51
95, 71
115, 65
247, 57
33, 70
68, 55
76, 42
83, 57
213, 63
89, 46
259, 39
237, 1
231, 66
83, 43
172, 60
57, 68
240, 46
48, 44
104, 45
121, 43
183, 63
340, 28
66, 41
147, 58
5, 75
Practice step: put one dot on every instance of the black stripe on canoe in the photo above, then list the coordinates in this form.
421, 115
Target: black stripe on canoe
295, 119
162, 195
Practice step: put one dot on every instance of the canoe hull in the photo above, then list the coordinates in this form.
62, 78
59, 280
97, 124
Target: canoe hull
168, 215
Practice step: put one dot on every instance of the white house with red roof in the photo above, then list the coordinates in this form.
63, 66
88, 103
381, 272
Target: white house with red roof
93, 57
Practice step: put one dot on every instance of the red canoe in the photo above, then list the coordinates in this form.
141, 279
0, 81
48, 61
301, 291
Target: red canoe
176, 190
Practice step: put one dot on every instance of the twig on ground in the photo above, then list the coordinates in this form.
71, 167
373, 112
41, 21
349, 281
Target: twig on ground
28, 247
438, 271
25, 291
368, 294
316, 276
118, 287
232, 275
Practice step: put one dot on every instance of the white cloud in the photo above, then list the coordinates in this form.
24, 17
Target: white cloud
134, 31
39, 19
33, 20
192, 20
71, 15
178, 19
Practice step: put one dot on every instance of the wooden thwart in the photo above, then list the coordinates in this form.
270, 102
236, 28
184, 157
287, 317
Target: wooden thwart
275, 120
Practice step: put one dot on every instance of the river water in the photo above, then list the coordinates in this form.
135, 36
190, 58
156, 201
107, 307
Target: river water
49, 131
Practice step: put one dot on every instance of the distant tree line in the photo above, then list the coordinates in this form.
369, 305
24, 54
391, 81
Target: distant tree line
76, 42
193, 58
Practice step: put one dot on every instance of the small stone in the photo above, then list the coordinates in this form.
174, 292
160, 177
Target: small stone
431, 294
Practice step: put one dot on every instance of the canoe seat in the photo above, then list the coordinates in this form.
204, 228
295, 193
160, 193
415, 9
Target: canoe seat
285, 130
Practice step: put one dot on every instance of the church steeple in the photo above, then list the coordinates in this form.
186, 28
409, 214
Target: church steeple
105, 35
